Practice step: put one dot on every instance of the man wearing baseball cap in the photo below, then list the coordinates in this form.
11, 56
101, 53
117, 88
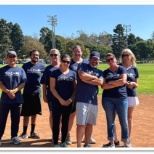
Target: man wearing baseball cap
12, 80
90, 77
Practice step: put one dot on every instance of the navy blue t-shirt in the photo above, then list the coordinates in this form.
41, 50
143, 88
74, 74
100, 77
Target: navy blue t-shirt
132, 74
85, 92
46, 80
75, 66
64, 83
34, 73
116, 92
12, 77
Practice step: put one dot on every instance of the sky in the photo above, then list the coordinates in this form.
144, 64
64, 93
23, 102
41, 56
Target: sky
96, 18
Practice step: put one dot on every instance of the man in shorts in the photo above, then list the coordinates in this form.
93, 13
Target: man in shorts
86, 98
31, 94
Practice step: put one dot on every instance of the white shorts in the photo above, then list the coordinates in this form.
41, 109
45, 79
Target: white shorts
86, 113
133, 101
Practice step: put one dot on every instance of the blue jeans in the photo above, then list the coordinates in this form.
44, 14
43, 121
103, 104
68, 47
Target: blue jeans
119, 105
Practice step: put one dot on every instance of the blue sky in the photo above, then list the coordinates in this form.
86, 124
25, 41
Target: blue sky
88, 18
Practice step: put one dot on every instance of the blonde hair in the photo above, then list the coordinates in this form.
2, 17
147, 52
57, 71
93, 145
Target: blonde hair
131, 54
56, 50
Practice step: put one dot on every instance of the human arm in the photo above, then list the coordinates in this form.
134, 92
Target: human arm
132, 85
44, 89
85, 76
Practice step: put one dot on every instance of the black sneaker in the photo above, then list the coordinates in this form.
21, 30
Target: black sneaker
34, 135
109, 145
117, 143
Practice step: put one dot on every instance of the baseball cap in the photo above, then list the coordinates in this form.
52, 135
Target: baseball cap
11, 53
95, 54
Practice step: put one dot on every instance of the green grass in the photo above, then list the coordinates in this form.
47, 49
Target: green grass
146, 78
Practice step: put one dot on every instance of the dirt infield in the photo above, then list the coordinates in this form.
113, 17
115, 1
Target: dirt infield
142, 133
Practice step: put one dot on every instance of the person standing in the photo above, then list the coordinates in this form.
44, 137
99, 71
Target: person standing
62, 86
114, 100
86, 98
12, 80
48, 97
31, 94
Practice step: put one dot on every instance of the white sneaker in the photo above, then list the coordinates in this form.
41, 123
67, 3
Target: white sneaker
92, 140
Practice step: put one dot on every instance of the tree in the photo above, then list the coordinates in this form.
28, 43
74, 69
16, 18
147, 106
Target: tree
17, 38
5, 42
118, 40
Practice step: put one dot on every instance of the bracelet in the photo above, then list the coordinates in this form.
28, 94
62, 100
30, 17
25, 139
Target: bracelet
15, 90
70, 100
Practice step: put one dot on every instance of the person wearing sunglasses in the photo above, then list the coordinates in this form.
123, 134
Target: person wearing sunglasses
114, 100
32, 94
45, 81
90, 77
62, 85
12, 81
127, 59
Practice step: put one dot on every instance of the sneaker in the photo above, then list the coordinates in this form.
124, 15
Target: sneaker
87, 146
23, 136
15, 140
63, 145
54, 145
109, 145
68, 140
34, 135
117, 143
92, 140
128, 145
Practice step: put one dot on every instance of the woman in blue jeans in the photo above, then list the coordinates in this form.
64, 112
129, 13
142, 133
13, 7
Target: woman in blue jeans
114, 100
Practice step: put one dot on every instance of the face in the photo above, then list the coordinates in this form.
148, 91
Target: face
54, 56
94, 62
65, 62
126, 56
34, 56
110, 60
77, 53
12, 59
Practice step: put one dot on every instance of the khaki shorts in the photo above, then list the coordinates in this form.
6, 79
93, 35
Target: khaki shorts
86, 113
133, 101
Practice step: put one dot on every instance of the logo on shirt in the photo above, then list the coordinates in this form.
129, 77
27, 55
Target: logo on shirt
113, 76
38, 71
11, 73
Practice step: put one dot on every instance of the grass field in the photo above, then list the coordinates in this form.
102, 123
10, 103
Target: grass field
146, 77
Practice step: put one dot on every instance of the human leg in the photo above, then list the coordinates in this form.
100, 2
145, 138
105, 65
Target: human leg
109, 107
122, 111
130, 114
4, 110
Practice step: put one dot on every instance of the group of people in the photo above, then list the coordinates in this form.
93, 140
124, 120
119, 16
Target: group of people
70, 87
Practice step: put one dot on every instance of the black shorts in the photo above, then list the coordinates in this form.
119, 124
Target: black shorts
31, 105
73, 107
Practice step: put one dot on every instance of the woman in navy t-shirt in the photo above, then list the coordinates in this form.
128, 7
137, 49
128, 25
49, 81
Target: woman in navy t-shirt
62, 85
114, 99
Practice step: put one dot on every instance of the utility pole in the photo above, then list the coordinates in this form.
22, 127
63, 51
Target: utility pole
127, 28
53, 22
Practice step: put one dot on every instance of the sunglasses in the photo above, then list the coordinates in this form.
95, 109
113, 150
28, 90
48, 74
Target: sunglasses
127, 55
65, 61
53, 55
108, 60
12, 56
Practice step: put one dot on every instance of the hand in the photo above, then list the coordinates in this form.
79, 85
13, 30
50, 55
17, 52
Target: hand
45, 99
11, 94
62, 102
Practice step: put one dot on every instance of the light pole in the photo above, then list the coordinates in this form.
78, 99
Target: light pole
127, 28
53, 22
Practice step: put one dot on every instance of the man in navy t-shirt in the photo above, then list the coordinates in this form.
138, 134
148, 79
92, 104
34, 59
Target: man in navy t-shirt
86, 97
12, 80
31, 94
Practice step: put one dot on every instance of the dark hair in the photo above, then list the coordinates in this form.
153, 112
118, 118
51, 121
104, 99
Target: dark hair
64, 56
77, 46
30, 53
